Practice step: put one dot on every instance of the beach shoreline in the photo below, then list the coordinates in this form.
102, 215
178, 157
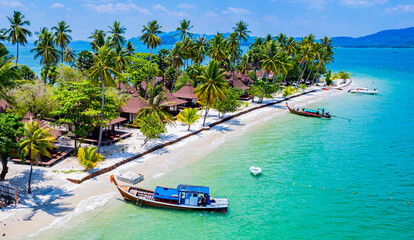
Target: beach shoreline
159, 162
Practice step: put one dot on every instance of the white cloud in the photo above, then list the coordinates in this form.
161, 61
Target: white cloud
57, 5
111, 8
233, 10
160, 7
14, 4
314, 4
186, 6
401, 8
270, 18
362, 3
212, 15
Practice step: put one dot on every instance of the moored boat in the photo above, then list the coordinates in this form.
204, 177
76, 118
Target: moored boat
363, 91
255, 170
320, 113
184, 197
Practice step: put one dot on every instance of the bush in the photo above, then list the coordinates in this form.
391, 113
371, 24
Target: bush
89, 158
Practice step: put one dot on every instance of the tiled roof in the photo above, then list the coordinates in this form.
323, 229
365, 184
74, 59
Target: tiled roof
186, 92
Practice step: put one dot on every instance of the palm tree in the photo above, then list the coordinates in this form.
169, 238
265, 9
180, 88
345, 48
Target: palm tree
9, 73
17, 33
36, 143
234, 49
177, 56
270, 63
188, 50
326, 53
88, 157
120, 62
281, 38
129, 49
102, 70
212, 85
157, 102
150, 38
69, 55
61, 36
116, 39
45, 50
218, 48
241, 30
98, 41
188, 116
184, 28
200, 49
2, 37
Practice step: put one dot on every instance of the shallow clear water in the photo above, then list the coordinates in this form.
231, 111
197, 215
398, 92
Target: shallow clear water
311, 169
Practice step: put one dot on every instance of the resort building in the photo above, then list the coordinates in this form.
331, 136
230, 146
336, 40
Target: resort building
186, 93
4, 106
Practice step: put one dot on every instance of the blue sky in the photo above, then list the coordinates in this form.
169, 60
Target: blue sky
294, 17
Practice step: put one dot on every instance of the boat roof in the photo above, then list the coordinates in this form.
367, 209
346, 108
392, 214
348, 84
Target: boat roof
195, 189
310, 110
166, 193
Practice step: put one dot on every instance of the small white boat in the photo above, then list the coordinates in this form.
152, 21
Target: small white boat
255, 170
363, 91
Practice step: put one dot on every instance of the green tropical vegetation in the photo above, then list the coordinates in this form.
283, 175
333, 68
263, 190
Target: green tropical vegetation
89, 158
36, 142
188, 116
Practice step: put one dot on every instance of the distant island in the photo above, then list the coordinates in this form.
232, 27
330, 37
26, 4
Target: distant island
395, 38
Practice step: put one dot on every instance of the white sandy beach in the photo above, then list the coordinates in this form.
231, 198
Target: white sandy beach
55, 200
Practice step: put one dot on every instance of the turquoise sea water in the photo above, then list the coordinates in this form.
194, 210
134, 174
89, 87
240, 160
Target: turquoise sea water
311, 169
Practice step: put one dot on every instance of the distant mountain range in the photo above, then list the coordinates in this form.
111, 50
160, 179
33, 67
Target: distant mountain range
398, 38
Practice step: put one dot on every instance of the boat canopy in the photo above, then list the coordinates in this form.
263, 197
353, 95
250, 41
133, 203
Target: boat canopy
166, 193
193, 189
310, 110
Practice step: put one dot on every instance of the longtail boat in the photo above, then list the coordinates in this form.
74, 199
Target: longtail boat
184, 197
320, 113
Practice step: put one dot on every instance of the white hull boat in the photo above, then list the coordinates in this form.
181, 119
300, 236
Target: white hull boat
255, 170
363, 91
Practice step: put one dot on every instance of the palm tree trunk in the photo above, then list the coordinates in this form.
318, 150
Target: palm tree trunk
149, 74
310, 71
5, 169
205, 115
61, 54
264, 90
29, 190
175, 77
317, 70
17, 55
303, 71
102, 115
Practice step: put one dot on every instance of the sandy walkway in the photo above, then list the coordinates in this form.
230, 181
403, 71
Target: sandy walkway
56, 200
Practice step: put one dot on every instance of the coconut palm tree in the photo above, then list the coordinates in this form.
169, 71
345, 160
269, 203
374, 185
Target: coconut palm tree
62, 39
188, 116
177, 56
188, 50
281, 38
102, 70
157, 102
270, 63
218, 48
212, 85
88, 157
241, 31
151, 38
8, 76
98, 41
69, 55
234, 50
16, 34
120, 62
183, 29
36, 143
200, 49
129, 49
2, 37
326, 53
116, 39
45, 50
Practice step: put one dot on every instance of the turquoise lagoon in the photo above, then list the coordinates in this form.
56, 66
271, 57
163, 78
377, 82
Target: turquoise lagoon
311, 169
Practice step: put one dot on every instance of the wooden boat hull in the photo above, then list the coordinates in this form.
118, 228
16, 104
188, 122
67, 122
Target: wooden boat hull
307, 114
147, 201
